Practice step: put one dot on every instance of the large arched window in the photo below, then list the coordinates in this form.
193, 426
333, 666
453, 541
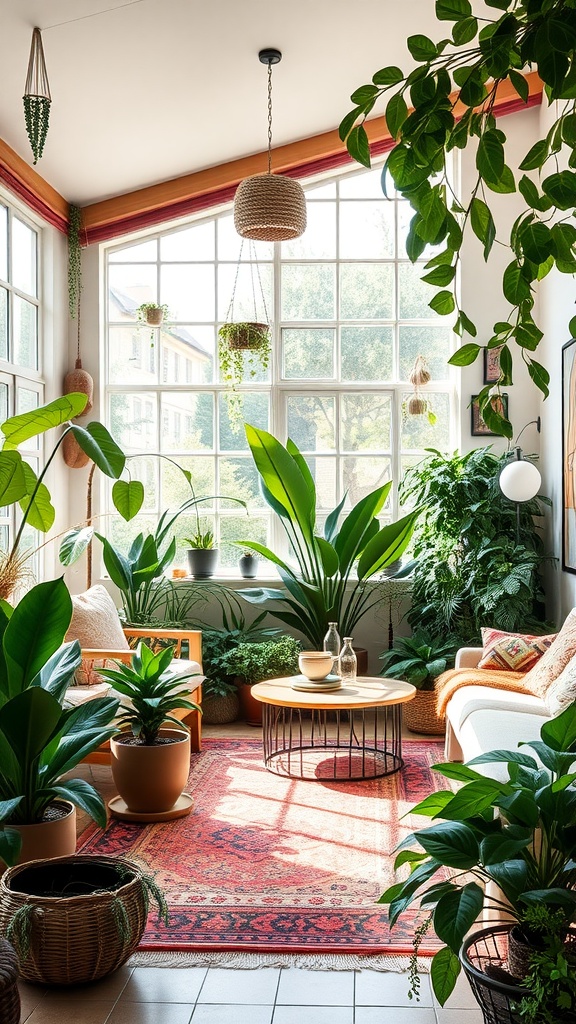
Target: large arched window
349, 314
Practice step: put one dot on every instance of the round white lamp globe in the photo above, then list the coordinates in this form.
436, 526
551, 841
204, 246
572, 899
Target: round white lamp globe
520, 480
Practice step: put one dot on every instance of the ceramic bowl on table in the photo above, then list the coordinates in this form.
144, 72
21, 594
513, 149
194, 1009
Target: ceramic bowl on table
315, 664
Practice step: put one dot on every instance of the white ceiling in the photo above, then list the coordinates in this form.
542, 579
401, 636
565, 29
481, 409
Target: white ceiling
148, 90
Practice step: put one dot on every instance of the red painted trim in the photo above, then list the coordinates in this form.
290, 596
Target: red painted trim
33, 201
208, 200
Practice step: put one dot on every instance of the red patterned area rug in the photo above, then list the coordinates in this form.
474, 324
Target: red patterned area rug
275, 865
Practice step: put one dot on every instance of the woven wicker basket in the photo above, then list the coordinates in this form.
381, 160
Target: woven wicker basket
419, 714
9, 996
73, 939
269, 208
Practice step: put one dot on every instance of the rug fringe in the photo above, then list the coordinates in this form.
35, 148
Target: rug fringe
254, 961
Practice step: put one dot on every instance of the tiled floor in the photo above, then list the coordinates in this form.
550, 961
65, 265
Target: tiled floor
289, 995
200, 995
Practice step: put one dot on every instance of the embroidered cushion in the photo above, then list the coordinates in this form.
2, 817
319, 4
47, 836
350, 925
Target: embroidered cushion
562, 692
555, 660
512, 652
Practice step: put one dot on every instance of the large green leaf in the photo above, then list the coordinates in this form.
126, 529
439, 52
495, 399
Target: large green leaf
101, 447
455, 914
560, 732
83, 795
471, 800
452, 843
74, 544
57, 674
283, 478
39, 510
117, 566
351, 536
444, 973
330, 560
35, 631
28, 721
128, 497
388, 545
21, 428
12, 479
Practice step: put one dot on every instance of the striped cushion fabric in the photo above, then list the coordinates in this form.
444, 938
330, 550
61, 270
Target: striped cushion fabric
512, 652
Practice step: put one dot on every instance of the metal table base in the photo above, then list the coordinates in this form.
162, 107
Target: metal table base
346, 745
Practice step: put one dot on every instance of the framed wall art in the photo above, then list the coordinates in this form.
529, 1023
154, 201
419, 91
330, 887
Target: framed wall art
477, 425
569, 457
492, 369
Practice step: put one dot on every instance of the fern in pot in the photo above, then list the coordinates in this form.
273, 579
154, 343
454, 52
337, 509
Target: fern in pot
419, 659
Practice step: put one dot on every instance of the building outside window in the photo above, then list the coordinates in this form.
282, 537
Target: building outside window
349, 314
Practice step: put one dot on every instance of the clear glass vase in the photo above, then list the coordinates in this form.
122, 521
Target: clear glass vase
347, 661
333, 643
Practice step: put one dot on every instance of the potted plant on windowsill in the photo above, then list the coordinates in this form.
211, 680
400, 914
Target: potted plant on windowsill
202, 555
517, 835
150, 764
40, 739
253, 662
419, 659
248, 565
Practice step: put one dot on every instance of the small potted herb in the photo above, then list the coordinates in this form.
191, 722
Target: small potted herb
202, 555
152, 314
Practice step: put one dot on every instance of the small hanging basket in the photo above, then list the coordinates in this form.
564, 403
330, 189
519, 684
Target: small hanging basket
245, 337
416, 405
37, 97
419, 374
154, 317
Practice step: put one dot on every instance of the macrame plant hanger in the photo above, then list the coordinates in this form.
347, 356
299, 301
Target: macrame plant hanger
37, 98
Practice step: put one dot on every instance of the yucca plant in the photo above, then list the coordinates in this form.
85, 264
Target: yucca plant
329, 580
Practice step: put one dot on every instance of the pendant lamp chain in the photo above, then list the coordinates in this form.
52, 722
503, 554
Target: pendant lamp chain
269, 117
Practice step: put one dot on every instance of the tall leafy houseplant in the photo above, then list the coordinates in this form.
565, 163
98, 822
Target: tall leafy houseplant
447, 102
328, 582
474, 564
518, 834
41, 739
20, 485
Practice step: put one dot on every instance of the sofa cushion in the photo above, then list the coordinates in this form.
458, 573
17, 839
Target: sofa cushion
498, 730
482, 698
514, 652
95, 622
554, 661
562, 691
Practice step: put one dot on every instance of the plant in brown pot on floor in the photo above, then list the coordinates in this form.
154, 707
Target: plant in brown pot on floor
419, 659
151, 762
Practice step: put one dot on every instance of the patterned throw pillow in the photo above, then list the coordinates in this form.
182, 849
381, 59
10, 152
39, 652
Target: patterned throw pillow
512, 652
562, 692
551, 664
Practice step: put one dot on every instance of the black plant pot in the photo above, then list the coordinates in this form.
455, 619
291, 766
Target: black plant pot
248, 566
202, 562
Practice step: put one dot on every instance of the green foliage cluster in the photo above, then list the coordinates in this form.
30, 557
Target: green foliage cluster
467, 68
37, 119
518, 834
145, 308
201, 541
40, 738
474, 563
220, 641
272, 659
243, 349
329, 582
418, 659
152, 691
551, 981
74, 260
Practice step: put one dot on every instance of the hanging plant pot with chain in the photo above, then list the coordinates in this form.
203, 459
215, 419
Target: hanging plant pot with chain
37, 97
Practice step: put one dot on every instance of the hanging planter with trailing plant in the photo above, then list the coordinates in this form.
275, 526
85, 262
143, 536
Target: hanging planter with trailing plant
37, 97
243, 345
78, 379
417, 404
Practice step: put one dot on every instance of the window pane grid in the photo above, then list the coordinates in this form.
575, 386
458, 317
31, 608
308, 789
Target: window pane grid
345, 309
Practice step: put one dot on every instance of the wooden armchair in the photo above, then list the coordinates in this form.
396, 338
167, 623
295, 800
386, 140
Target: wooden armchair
193, 638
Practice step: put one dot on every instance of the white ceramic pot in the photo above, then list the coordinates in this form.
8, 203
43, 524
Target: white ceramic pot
315, 664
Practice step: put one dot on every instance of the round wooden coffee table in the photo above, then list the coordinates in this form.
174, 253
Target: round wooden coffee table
352, 733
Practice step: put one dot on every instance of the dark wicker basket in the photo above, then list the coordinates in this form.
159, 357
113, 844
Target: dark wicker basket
76, 938
486, 952
9, 996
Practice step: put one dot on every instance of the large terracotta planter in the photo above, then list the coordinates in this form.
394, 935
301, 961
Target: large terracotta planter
49, 839
151, 778
251, 709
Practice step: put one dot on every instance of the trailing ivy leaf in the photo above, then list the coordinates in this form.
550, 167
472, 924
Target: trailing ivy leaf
443, 303
465, 355
422, 48
358, 145
561, 189
545, 268
505, 185
441, 258
415, 243
514, 284
467, 324
464, 31
440, 276
552, 68
537, 242
483, 225
490, 157
535, 157
396, 114
363, 94
528, 335
494, 419
572, 327
388, 76
569, 129
539, 374
505, 359
348, 122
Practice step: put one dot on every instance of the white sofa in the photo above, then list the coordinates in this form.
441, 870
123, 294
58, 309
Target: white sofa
481, 718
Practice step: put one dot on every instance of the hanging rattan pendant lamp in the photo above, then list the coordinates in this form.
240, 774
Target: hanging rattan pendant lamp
269, 207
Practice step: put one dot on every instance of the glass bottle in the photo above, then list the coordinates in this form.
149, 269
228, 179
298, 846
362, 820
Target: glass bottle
347, 661
333, 643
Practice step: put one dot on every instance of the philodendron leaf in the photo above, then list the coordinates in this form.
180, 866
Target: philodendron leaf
101, 447
28, 424
12, 479
40, 512
128, 498
456, 913
74, 544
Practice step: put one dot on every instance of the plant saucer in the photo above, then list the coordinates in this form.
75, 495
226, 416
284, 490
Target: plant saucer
329, 682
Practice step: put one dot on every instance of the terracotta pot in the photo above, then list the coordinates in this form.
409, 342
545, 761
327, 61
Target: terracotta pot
151, 778
250, 708
154, 316
202, 562
47, 839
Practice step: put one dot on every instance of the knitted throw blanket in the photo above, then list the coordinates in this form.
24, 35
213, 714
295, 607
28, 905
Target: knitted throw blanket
450, 681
